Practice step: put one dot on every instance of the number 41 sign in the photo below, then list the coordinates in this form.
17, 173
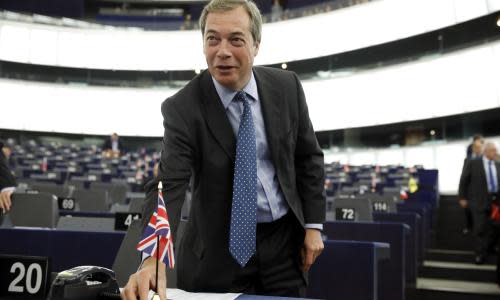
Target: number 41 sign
23, 277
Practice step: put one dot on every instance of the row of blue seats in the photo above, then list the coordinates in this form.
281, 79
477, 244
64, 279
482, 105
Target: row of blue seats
346, 270
328, 276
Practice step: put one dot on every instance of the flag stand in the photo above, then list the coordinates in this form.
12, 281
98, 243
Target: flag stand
157, 236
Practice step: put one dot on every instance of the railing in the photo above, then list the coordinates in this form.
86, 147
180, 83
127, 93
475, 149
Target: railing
120, 19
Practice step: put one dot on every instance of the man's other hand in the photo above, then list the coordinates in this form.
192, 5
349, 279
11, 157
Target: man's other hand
313, 246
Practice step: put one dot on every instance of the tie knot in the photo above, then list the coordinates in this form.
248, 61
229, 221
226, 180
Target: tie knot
240, 96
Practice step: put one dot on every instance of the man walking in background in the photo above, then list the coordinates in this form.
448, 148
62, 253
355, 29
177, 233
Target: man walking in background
474, 151
478, 190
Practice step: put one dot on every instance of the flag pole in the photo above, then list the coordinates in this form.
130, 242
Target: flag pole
157, 259
158, 245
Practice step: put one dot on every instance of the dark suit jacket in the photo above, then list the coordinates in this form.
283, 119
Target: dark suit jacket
468, 152
199, 141
473, 185
6, 177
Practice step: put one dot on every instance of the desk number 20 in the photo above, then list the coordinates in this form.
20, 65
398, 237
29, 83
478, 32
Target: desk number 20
30, 287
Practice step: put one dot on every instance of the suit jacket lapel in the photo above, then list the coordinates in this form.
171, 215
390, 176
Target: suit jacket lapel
271, 103
216, 116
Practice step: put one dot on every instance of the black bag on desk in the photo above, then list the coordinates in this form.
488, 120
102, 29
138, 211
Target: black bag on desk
85, 283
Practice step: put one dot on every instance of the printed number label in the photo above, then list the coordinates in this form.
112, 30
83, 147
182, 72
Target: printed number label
123, 220
23, 277
345, 214
130, 218
32, 286
380, 206
66, 203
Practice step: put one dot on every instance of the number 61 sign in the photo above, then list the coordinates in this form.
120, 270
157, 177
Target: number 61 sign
23, 277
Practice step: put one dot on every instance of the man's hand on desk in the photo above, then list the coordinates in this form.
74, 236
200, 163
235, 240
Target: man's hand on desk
143, 280
313, 246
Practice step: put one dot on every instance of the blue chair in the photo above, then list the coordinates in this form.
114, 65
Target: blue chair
347, 270
414, 249
65, 249
425, 213
391, 284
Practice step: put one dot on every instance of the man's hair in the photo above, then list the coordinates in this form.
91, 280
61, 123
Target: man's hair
477, 137
227, 5
490, 144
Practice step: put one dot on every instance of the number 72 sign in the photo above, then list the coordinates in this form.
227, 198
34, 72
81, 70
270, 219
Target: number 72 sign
23, 277
345, 214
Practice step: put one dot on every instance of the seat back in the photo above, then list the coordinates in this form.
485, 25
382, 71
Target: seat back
86, 224
34, 210
350, 210
92, 200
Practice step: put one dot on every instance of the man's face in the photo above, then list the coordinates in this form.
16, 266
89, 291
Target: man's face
477, 147
491, 152
6, 151
229, 47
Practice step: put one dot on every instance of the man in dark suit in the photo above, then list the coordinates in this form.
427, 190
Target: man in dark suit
478, 189
7, 182
474, 151
112, 147
245, 136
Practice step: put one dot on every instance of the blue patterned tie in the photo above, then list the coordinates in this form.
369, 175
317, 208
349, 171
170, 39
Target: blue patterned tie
493, 182
244, 207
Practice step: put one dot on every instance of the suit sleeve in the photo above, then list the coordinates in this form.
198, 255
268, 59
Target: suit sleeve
175, 167
309, 165
464, 180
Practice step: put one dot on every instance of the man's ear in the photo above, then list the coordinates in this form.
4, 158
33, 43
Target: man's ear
256, 48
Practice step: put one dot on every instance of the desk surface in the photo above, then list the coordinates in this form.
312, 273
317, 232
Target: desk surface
253, 297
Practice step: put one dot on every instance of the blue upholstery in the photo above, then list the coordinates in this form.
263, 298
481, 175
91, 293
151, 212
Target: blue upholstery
66, 249
347, 270
414, 248
425, 214
391, 283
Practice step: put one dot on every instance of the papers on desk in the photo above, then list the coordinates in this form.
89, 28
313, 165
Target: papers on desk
176, 294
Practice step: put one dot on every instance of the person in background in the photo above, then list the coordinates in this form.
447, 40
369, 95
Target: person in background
476, 152
478, 189
147, 179
7, 181
276, 11
475, 148
112, 147
7, 152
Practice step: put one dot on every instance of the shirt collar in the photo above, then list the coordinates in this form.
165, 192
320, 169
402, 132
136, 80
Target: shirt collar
486, 160
226, 95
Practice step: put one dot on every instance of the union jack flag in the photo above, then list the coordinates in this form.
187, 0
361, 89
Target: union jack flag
158, 226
